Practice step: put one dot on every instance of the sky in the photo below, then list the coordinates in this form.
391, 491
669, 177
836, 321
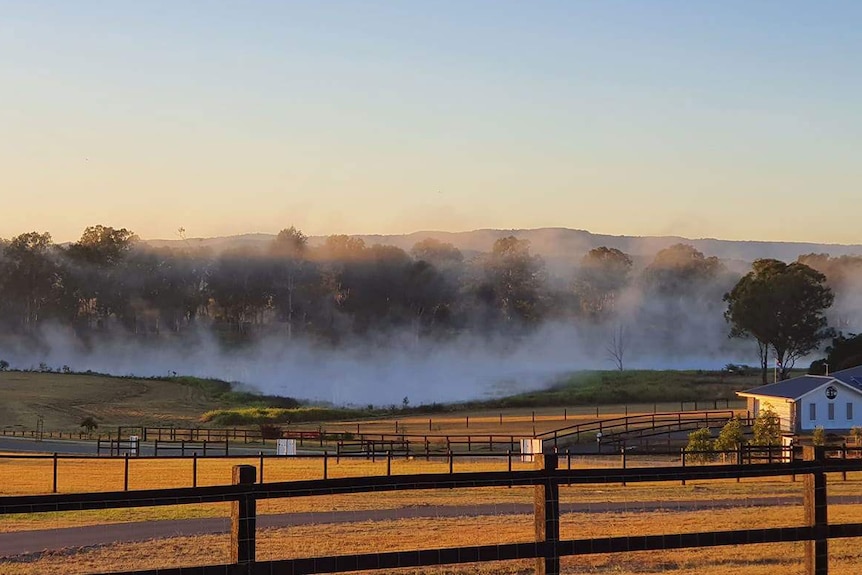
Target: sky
735, 120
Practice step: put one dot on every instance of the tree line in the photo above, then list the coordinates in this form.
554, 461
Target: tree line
110, 280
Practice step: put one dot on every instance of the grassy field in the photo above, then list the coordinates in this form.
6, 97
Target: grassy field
33, 477
402, 534
633, 386
64, 400
405, 534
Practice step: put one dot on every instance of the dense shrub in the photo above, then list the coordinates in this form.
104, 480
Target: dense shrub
700, 440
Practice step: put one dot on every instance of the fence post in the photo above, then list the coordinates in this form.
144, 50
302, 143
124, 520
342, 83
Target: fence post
388, 463
451, 462
243, 518
814, 500
844, 459
195, 469
623, 460
739, 459
547, 515
226, 448
260, 455
326, 465
682, 459
54, 489
126, 472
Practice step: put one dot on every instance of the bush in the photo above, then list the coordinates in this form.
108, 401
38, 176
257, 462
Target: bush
819, 436
259, 415
89, 424
700, 440
4, 365
731, 436
767, 428
270, 431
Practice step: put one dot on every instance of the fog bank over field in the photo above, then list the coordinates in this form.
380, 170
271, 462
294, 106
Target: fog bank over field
380, 373
346, 322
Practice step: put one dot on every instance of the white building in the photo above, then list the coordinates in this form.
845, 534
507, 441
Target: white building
833, 402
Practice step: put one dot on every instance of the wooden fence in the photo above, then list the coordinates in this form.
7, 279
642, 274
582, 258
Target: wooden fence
616, 430
546, 549
624, 459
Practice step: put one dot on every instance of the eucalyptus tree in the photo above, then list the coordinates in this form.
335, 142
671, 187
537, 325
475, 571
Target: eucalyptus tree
603, 274
32, 280
781, 306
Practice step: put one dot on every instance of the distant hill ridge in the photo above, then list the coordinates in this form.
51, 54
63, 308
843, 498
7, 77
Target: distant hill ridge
557, 245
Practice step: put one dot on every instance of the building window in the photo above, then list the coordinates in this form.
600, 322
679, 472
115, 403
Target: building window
831, 414
812, 411
849, 410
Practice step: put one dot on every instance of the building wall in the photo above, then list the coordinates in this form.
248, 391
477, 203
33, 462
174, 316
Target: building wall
782, 408
821, 402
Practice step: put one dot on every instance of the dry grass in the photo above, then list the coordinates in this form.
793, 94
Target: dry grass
28, 476
63, 400
517, 422
367, 537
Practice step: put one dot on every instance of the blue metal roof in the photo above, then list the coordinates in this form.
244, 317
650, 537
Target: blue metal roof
851, 376
792, 388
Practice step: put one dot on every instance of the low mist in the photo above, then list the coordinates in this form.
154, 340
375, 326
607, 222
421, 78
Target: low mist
466, 368
351, 324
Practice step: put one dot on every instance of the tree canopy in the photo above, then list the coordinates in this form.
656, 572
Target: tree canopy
603, 274
782, 307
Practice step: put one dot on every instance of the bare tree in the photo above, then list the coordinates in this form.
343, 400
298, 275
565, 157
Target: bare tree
616, 348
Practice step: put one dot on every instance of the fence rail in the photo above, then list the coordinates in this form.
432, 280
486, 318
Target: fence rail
616, 430
547, 549
624, 459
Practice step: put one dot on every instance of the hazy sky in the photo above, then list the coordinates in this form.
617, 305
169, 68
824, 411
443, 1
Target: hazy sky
726, 119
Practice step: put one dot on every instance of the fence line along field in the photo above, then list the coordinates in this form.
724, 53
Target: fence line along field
506, 523
19, 475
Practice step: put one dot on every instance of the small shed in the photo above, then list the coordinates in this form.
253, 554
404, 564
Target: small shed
833, 402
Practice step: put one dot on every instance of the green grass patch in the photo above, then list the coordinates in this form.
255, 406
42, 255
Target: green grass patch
623, 387
269, 415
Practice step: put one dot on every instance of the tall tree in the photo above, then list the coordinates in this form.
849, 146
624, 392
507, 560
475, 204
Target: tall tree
240, 287
514, 281
103, 245
603, 274
683, 290
782, 307
843, 276
681, 270
290, 276
32, 278
845, 351
99, 278
441, 255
